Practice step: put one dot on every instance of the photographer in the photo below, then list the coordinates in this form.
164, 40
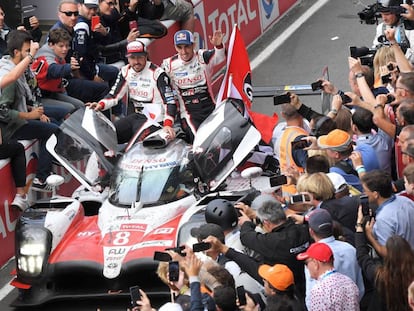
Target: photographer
391, 16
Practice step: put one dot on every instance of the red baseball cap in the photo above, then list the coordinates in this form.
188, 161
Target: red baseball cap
319, 251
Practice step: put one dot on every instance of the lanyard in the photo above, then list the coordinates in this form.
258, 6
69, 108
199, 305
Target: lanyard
326, 274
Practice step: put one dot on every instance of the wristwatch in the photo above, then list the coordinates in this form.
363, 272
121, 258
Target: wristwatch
359, 75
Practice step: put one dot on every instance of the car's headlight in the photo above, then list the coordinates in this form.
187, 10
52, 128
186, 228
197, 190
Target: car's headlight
33, 246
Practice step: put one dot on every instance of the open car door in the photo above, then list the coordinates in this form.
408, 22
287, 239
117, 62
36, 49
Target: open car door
80, 144
222, 142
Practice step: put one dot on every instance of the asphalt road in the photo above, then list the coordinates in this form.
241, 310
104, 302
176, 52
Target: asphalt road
322, 40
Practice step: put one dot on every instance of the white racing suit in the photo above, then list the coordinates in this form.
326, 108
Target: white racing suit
151, 100
192, 82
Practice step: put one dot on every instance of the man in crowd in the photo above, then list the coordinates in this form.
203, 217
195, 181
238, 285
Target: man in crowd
17, 122
190, 73
82, 89
334, 290
151, 98
394, 215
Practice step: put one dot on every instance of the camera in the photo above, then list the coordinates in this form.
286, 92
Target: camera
173, 271
366, 55
370, 15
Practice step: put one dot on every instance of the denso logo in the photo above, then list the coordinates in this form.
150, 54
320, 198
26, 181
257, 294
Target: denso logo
189, 80
148, 161
238, 13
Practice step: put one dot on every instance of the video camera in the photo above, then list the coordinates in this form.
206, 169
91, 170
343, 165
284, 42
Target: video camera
370, 14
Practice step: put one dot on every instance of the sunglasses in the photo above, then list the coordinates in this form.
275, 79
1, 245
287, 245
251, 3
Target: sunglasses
70, 13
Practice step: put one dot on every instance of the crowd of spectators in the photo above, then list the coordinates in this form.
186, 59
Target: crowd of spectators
346, 243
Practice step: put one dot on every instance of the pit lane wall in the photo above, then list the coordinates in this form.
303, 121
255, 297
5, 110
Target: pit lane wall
254, 17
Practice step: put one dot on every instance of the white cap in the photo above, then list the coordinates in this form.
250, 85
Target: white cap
170, 306
338, 181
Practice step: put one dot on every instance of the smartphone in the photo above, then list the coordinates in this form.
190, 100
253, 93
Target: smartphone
135, 295
241, 295
278, 180
390, 99
95, 21
75, 54
281, 99
300, 198
26, 22
173, 271
200, 247
178, 250
316, 85
161, 256
133, 25
363, 200
300, 144
345, 99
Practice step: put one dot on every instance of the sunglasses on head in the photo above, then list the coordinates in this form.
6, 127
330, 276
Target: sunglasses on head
70, 13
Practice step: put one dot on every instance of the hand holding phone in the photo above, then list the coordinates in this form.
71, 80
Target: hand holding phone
281, 99
200, 247
278, 180
95, 21
241, 295
135, 295
173, 271
133, 25
317, 85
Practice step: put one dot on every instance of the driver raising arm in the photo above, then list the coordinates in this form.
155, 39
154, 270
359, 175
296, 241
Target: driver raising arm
150, 96
190, 72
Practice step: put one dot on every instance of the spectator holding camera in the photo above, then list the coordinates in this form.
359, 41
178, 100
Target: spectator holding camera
388, 279
394, 215
391, 16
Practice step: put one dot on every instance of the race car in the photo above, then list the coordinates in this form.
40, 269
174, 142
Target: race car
101, 241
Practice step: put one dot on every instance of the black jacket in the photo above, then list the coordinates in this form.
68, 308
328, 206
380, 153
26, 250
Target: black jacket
280, 246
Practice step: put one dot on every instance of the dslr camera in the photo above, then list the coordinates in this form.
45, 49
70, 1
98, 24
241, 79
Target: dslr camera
370, 14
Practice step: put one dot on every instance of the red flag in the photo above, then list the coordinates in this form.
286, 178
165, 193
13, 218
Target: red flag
237, 84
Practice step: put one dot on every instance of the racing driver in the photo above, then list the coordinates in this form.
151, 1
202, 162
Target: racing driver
151, 101
190, 72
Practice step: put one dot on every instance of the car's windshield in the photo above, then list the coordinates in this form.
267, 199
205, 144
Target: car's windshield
152, 176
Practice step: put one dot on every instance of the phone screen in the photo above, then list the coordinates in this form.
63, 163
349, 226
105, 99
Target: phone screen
95, 21
278, 180
133, 25
173, 271
202, 246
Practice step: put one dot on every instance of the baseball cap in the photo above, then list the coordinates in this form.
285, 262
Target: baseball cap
90, 3
336, 140
279, 276
391, 7
320, 221
319, 251
183, 37
338, 181
170, 306
205, 230
136, 48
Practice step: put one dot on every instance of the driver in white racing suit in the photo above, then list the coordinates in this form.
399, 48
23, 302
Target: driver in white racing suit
190, 72
151, 100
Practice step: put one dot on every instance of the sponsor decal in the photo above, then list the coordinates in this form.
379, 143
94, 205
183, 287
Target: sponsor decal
164, 231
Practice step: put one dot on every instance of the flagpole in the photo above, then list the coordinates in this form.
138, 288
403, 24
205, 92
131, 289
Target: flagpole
229, 85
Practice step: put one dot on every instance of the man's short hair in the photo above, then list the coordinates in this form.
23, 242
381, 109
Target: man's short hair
289, 112
407, 80
408, 173
362, 119
379, 181
406, 110
59, 35
317, 163
16, 39
225, 298
66, 1
271, 211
